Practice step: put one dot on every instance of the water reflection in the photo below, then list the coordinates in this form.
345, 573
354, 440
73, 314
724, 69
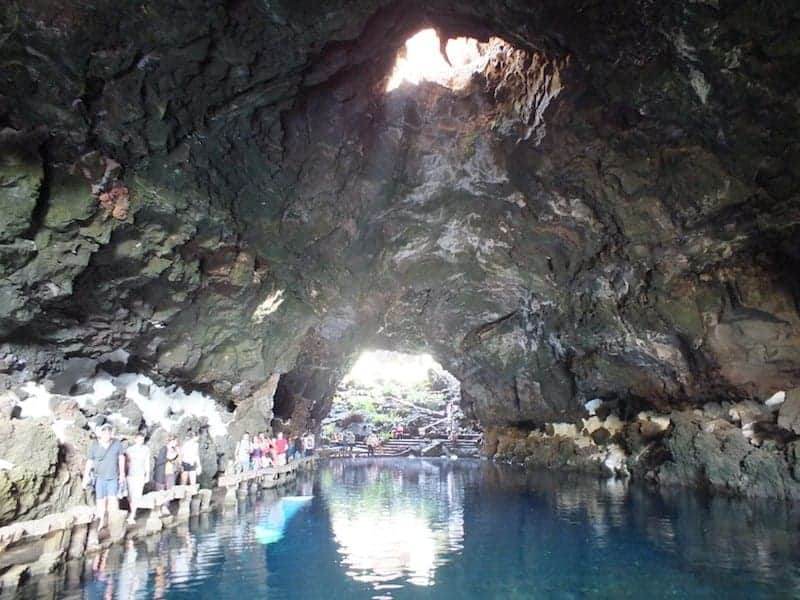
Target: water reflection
669, 540
395, 522
442, 529
272, 529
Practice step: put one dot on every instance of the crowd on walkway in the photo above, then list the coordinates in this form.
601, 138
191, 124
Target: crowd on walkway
261, 451
113, 471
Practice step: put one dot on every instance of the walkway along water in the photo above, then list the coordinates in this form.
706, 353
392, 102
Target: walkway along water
37, 547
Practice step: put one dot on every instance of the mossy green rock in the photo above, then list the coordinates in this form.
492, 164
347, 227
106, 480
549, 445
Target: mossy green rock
20, 180
70, 201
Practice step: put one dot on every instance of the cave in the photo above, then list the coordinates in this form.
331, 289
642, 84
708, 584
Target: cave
408, 398
587, 213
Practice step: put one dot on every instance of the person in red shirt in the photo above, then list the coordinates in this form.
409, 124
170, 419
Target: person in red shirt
281, 445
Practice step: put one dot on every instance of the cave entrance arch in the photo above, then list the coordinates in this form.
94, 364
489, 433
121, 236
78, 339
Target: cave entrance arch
394, 394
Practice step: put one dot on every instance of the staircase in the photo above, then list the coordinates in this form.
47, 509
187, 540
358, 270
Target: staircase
465, 445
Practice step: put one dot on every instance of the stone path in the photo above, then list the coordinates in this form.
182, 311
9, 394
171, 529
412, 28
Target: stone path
37, 547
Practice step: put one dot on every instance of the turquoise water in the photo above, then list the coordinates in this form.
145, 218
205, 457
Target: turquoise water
456, 529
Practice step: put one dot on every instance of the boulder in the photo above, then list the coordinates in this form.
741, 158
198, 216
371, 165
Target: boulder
775, 400
592, 405
717, 426
789, 412
715, 410
567, 430
601, 436
31, 446
74, 369
724, 459
651, 430
748, 412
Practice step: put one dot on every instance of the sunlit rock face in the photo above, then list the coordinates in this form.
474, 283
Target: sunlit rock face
227, 191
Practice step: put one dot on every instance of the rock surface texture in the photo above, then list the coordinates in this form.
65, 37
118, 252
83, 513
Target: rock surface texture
225, 191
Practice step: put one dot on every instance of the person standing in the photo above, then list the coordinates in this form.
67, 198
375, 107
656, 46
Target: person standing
190, 459
266, 451
372, 443
167, 467
281, 445
308, 443
350, 441
242, 453
297, 448
138, 473
106, 467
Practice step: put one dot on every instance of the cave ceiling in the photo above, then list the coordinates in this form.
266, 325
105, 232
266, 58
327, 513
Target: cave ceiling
226, 190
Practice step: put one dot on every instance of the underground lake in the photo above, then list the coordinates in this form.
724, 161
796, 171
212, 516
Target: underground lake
437, 528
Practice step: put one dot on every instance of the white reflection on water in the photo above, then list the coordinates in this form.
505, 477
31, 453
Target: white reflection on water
395, 525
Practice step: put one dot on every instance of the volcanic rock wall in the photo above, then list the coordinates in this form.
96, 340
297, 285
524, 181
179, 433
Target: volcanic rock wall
225, 191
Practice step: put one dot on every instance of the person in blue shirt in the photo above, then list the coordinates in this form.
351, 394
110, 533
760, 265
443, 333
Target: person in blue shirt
106, 469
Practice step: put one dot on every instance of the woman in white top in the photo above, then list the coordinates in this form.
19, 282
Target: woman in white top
138, 456
308, 443
190, 457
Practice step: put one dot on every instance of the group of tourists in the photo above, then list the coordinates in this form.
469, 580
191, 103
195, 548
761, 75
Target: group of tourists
114, 471
261, 451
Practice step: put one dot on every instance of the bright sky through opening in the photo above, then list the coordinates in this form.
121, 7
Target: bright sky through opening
423, 61
374, 367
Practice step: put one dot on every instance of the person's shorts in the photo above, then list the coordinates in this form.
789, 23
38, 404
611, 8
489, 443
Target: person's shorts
188, 468
106, 488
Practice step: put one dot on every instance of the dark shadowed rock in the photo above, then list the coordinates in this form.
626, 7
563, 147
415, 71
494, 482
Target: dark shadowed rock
600, 436
72, 371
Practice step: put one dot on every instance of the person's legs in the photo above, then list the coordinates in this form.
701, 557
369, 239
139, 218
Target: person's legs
192, 477
101, 513
169, 483
105, 490
135, 491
